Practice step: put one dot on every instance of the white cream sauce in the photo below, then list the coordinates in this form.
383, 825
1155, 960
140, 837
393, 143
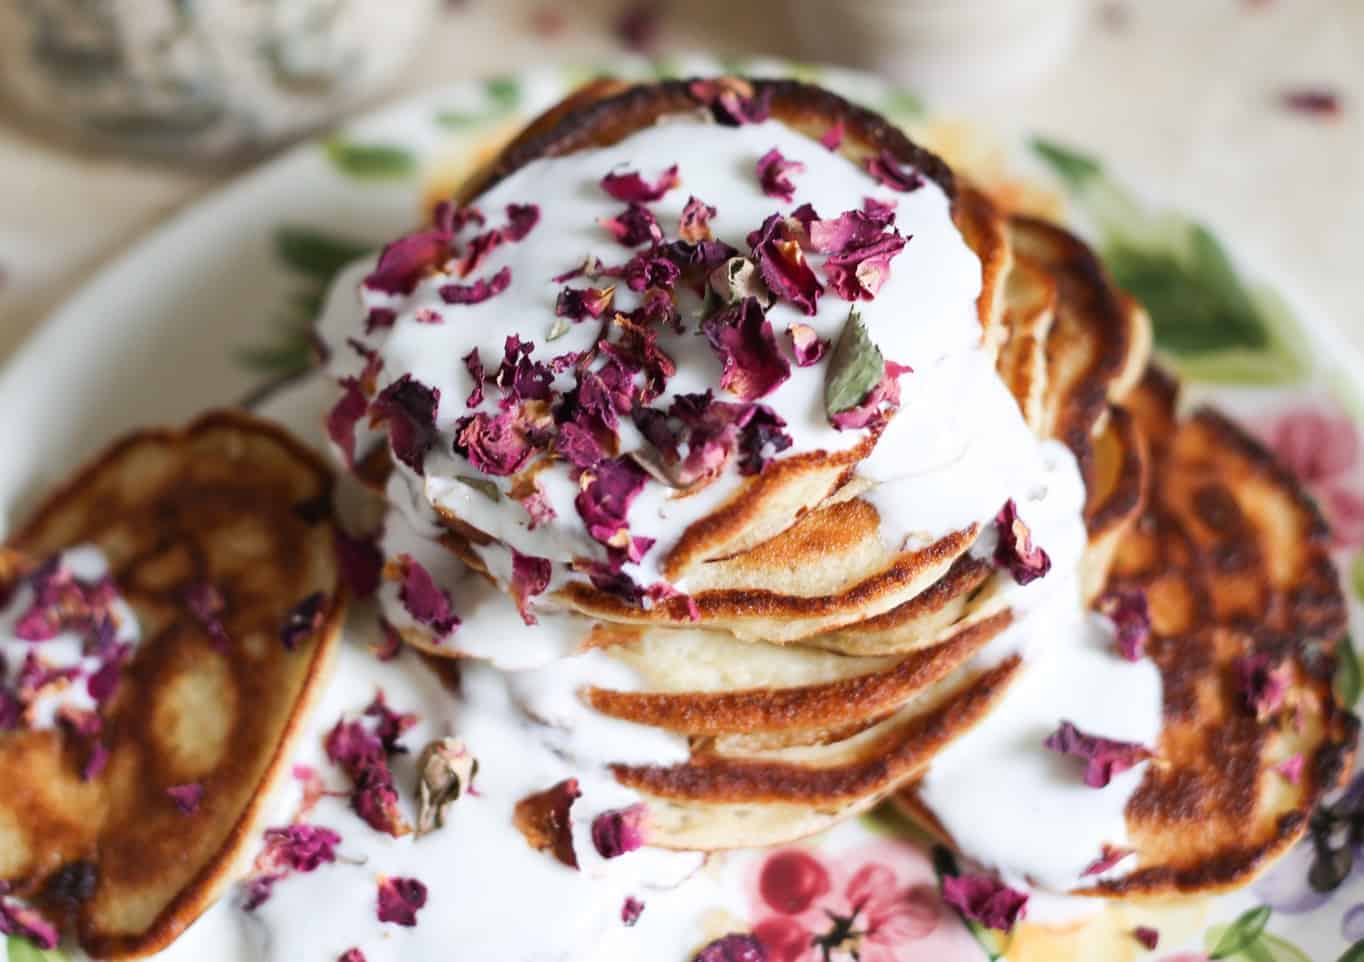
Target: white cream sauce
65, 650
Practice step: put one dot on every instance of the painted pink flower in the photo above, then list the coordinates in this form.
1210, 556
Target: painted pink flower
876, 903
1321, 447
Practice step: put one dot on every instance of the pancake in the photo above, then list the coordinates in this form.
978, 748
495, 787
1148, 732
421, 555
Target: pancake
1030, 296
1233, 558
231, 502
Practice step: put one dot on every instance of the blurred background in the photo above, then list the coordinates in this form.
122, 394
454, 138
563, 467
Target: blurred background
116, 113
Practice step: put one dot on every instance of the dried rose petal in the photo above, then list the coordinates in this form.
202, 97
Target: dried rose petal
186, 797
205, 603
630, 910
379, 318
773, 175
399, 900
859, 272
879, 402
22, 921
521, 220
301, 847
519, 377
1109, 856
1317, 103
404, 262
782, 266
538, 507
361, 562
478, 250
732, 100
1131, 620
832, 138
390, 643
1015, 550
638, 25
477, 292
1147, 936
389, 725
732, 948
375, 800
985, 900
883, 210
1263, 683
848, 231
646, 270
577, 445
695, 223
474, 365
806, 346
631, 187
886, 169
530, 577
1290, 769
352, 955
543, 820
604, 502
618, 831
345, 415
633, 226
423, 599
743, 338
409, 409
495, 444
1103, 757
302, 620
580, 303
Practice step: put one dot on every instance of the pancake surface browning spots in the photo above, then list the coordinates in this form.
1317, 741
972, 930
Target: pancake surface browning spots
226, 502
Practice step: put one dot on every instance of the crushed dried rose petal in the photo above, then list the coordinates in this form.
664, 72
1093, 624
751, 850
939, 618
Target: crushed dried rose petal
694, 226
774, 172
408, 407
1147, 936
479, 291
495, 444
580, 303
344, 415
1014, 551
1103, 757
633, 226
1109, 856
352, 955
427, 602
630, 186
986, 900
782, 266
530, 577
303, 619
400, 899
521, 220
806, 346
1131, 620
604, 502
732, 100
618, 831
630, 910
186, 797
1263, 683
832, 138
888, 170
734, 947
742, 337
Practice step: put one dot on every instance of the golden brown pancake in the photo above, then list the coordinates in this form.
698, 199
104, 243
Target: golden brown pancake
1233, 558
233, 502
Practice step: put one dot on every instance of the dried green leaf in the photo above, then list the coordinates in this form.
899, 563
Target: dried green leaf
855, 367
483, 486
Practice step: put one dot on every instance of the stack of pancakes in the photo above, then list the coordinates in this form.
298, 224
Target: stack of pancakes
816, 666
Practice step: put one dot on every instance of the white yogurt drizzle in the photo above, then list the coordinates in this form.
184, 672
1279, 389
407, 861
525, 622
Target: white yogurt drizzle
66, 650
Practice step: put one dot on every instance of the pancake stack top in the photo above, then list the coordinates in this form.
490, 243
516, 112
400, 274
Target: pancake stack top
735, 412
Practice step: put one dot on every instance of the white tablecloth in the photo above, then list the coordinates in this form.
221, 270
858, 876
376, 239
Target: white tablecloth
1180, 96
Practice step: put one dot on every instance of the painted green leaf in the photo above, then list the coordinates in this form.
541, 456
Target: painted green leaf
855, 367
1263, 948
1234, 939
315, 253
504, 91
371, 161
20, 949
1347, 680
902, 103
990, 941
1075, 168
1354, 953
